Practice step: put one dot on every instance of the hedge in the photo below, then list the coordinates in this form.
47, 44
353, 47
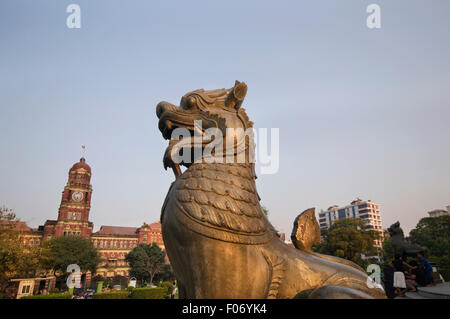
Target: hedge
121, 294
148, 293
167, 285
49, 296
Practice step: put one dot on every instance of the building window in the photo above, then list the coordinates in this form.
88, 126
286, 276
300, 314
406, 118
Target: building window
26, 289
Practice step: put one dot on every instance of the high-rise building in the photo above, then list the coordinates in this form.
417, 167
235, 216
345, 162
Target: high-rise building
439, 212
368, 211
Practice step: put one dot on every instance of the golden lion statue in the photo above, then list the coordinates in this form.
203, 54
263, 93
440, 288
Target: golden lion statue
218, 239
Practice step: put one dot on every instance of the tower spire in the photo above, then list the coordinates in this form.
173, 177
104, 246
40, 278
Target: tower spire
73, 213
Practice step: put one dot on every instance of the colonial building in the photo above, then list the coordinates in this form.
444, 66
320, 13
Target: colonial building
112, 242
29, 236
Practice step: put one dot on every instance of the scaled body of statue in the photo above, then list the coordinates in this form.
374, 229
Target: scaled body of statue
217, 237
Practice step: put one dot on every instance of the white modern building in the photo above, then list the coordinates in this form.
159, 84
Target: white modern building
439, 212
368, 211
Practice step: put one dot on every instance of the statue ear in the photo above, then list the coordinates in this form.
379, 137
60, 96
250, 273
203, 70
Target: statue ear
237, 95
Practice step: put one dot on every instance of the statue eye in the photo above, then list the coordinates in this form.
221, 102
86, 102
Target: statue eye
191, 102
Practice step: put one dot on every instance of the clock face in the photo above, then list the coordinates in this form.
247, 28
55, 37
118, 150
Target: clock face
77, 196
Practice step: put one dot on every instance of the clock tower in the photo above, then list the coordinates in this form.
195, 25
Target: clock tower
73, 214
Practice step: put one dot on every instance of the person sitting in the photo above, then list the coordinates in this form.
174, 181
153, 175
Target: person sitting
428, 269
388, 280
411, 284
419, 272
402, 276
399, 276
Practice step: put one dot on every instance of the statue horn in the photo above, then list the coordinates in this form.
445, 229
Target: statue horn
236, 95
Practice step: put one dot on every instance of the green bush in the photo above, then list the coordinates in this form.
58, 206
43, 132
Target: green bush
49, 296
130, 288
443, 265
121, 294
148, 293
167, 285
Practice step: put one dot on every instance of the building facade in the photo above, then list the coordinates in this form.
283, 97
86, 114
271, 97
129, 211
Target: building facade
439, 212
368, 211
112, 242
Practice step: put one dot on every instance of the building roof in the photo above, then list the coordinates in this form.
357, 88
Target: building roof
127, 231
81, 164
116, 230
156, 226
17, 226
437, 211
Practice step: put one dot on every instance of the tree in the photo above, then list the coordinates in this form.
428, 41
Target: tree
347, 238
388, 251
165, 274
145, 261
434, 233
60, 252
16, 258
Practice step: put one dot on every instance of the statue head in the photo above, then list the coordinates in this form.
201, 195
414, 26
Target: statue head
215, 117
395, 230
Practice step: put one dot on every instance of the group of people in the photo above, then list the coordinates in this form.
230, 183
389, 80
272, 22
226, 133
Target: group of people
408, 275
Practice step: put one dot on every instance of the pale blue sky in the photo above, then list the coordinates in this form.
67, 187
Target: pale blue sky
362, 113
